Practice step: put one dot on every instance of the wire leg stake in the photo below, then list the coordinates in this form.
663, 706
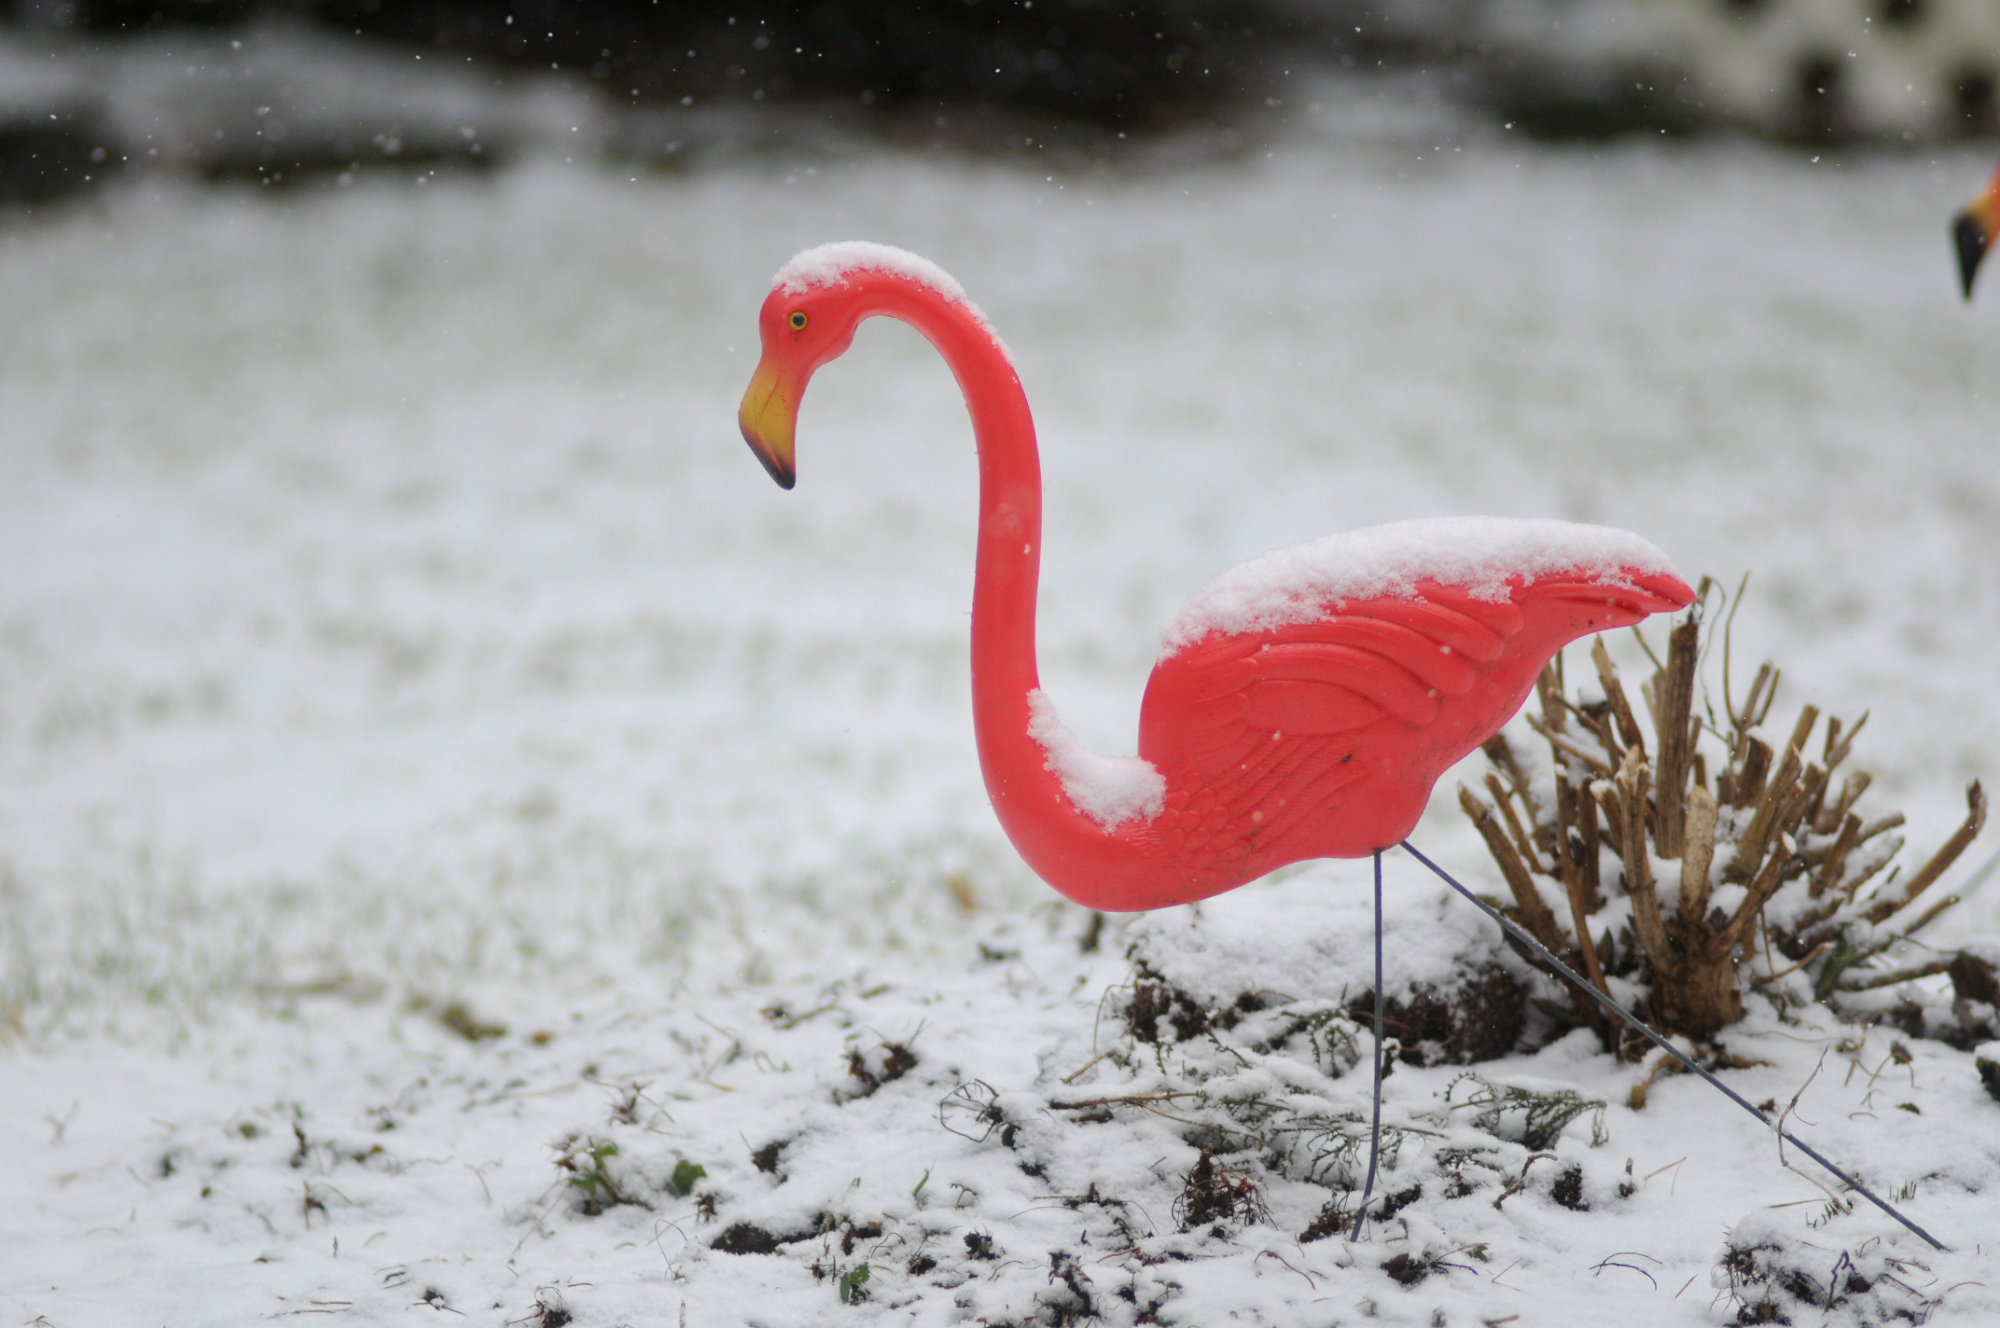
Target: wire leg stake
1581, 985
1375, 1131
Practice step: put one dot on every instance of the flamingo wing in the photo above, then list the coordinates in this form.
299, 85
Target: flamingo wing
1324, 738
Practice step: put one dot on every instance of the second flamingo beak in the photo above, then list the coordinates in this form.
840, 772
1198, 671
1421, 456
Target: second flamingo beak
769, 415
1973, 232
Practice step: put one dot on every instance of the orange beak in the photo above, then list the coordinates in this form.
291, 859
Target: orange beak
770, 415
1973, 232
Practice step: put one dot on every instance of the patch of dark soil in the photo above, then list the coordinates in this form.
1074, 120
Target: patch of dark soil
1332, 1220
746, 1238
1568, 1191
1093, 934
1155, 1002
1974, 979
1989, 1074
1407, 1270
1975, 989
765, 1159
1395, 1203
1479, 1019
882, 1065
1247, 1002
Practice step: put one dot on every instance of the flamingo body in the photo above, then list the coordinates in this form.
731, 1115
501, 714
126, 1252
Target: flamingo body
1304, 706
1324, 739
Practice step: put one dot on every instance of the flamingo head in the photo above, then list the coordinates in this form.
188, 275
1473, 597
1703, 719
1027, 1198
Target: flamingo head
801, 330
1974, 230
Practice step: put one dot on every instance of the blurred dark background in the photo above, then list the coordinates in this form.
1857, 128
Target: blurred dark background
1128, 64
288, 92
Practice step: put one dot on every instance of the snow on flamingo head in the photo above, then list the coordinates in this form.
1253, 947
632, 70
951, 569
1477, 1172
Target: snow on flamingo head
816, 301
829, 264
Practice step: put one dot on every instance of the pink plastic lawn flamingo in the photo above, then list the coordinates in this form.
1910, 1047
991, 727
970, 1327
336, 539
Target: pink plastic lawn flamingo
1302, 706
1973, 231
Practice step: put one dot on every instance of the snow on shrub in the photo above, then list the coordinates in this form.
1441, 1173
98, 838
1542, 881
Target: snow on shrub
1632, 861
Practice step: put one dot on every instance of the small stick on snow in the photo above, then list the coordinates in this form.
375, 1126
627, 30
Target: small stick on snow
1072, 1078
1778, 1128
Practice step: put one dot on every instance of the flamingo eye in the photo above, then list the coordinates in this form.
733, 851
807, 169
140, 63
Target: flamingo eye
798, 320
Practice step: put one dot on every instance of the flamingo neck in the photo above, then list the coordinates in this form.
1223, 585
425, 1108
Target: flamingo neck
1020, 742
1008, 566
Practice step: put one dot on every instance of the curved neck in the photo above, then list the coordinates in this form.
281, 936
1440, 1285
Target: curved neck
1009, 559
1095, 866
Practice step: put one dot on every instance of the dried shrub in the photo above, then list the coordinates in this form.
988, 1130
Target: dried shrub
971, 1110
1479, 1016
1774, 1279
1214, 1193
1327, 1148
1677, 880
1069, 1300
1332, 1220
1536, 1119
1326, 1032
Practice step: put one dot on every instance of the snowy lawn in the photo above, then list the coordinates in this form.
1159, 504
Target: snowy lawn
469, 843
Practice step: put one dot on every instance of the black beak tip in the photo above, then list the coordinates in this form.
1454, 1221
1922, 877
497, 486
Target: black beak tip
1969, 239
784, 475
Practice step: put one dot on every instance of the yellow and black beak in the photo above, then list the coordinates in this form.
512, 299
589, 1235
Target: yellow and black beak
1973, 232
769, 415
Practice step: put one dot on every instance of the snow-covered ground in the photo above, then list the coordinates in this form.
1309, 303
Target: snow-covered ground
394, 627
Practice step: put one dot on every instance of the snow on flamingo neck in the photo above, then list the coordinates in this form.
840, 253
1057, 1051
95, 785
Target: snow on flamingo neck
1477, 554
1109, 790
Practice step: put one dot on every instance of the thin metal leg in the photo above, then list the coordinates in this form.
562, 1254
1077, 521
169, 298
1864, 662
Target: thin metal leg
1641, 1025
1375, 1130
